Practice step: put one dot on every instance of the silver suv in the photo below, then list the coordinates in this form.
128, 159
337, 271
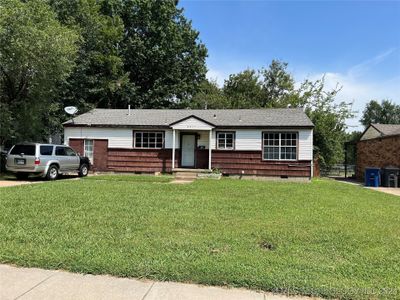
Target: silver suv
45, 160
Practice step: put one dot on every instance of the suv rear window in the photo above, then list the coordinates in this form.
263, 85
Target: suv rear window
25, 149
46, 150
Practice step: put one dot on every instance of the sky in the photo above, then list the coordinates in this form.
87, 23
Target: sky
355, 44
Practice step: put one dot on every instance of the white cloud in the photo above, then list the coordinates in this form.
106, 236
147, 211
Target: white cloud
218, 76
366, 66
357, 88
356, 82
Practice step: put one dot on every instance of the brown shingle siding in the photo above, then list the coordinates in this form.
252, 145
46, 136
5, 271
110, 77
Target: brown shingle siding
251, 163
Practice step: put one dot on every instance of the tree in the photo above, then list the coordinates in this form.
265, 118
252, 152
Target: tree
36, 55
329, 119
209, 96
99, 78
274, 88
243, 89
352, 138
268, 87
385, 112
162, 52
278, 85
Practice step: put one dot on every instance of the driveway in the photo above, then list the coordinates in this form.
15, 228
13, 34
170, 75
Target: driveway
392, 191
7, 180
4, 183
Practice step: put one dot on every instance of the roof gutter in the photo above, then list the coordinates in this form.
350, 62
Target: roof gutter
168, 126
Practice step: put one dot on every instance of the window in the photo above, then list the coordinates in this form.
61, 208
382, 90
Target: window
60, 151
148, 139
69, 152
225, 140
88, 149
46, 150
280, 145
25, 149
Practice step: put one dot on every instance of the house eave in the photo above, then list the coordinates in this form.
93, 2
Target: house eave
168, 126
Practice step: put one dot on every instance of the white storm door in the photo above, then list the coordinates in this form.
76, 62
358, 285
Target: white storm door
188, 147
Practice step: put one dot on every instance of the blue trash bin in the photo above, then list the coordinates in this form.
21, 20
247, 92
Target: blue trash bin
372, 177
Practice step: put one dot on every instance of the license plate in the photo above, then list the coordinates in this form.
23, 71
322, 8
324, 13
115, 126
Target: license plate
20, 161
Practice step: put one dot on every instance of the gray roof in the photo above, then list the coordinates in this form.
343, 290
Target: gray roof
276, 117
387, 129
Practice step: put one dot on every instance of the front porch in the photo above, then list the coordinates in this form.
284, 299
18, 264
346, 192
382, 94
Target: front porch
192, 137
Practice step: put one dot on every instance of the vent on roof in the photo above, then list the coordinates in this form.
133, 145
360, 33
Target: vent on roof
129, 110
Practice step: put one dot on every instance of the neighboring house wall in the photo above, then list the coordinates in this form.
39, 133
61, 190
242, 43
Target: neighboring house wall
370, 133
378, 152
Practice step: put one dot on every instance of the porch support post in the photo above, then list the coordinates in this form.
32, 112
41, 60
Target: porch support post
209, 149
173, 148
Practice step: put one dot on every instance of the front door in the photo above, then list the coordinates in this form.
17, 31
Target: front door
188, 147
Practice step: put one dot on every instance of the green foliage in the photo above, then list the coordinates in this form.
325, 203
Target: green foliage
208, 96
328, 238
385, 112
99, 77
352, 138
329, 119
278, 85
243, 89
274, 87
107, 53
36, 55
162, 52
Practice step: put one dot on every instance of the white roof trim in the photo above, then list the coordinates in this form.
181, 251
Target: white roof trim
192, 123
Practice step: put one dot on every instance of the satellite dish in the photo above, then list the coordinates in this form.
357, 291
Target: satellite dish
71, 110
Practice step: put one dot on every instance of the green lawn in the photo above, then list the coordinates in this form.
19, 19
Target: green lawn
136, 178
323, 238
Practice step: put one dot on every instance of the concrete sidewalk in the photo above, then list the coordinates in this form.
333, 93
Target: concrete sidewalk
27, 283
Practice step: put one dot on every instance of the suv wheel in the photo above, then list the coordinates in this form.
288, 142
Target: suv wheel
83, 170
52, 173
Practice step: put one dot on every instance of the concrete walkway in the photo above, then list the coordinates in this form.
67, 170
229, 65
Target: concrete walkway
5, 183
392, 191
31, 283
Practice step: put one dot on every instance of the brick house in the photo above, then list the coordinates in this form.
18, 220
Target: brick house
379, 146
263, 142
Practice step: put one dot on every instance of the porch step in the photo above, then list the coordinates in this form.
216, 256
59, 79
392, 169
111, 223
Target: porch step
191, 170
188, 174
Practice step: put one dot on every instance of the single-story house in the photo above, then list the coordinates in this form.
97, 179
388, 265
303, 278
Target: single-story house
264, 142
378, 146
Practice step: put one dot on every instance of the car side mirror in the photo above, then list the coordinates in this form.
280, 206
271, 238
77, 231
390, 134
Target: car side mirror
79, 154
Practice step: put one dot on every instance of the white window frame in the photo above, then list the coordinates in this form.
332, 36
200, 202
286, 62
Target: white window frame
225, 133
86, 152
145, 131
279, 146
